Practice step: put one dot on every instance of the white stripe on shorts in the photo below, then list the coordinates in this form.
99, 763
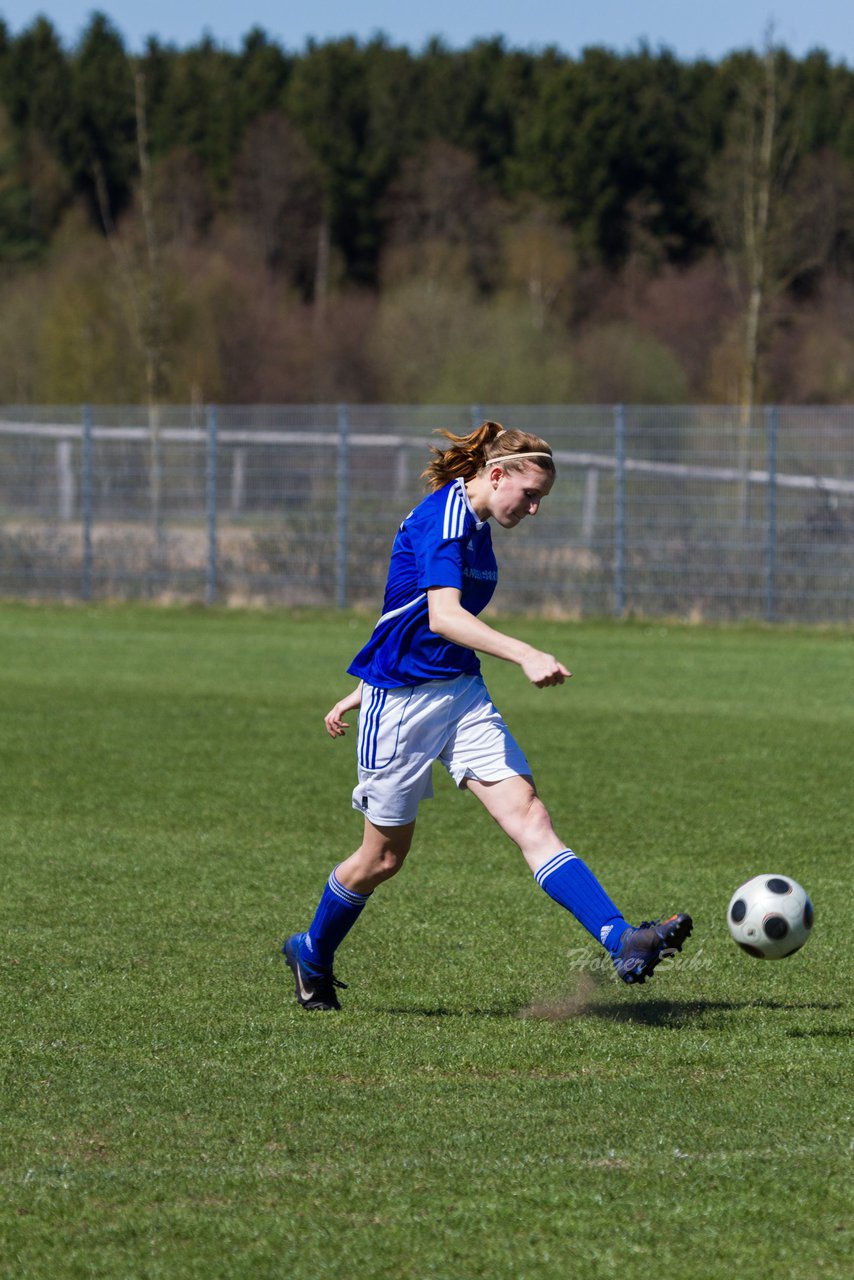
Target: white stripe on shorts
406, 731
370, 728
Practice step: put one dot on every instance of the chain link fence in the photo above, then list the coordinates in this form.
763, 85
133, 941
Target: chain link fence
687, 512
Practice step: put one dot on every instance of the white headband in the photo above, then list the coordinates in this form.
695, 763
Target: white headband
511, 457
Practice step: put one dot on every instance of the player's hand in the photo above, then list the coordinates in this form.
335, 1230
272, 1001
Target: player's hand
543, 669
334, 721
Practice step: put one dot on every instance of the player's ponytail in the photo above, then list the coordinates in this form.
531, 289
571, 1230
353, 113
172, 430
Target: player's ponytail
490, 443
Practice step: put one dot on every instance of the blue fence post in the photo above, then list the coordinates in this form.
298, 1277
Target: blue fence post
86, 478
620, 510
211, 497
342, 511
772, 428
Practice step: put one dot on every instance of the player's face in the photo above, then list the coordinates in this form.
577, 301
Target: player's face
516, 494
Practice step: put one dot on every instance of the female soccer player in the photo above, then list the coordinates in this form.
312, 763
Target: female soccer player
422, 698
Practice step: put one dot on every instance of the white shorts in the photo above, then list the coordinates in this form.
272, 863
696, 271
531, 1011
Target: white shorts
402, 732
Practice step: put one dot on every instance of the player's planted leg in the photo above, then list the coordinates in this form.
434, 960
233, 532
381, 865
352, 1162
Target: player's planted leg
315, 989
310, 955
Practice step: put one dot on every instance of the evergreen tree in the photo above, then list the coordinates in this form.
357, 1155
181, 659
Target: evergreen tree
261, 76
198, 108
35, 96
35, 82
101, 139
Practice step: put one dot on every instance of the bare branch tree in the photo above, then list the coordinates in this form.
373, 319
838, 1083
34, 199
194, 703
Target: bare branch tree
142, 289
760, 211
152, 314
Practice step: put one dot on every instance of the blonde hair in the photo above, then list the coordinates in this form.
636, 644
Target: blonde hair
490, 443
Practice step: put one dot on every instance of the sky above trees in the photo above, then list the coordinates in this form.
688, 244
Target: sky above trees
690, 31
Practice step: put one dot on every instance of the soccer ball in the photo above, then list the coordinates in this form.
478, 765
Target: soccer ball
770, 917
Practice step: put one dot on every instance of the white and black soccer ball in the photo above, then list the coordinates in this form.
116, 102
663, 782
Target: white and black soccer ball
770, 917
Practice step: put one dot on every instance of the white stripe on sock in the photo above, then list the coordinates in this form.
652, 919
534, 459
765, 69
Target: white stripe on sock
554, 864
346, 895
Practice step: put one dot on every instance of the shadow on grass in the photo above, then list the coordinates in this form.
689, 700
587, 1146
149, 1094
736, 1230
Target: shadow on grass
657, 1013
841, 1033
587, 1002
588, 999
421, 1011
653, 1013
663, 1013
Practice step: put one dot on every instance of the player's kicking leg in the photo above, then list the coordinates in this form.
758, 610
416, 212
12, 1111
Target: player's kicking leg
636, 951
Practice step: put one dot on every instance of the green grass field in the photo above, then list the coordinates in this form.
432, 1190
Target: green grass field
488, 1103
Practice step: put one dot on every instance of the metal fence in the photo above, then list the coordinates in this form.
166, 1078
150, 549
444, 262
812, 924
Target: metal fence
656, 512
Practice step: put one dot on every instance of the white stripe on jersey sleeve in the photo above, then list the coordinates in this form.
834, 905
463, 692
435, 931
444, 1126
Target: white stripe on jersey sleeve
455, 514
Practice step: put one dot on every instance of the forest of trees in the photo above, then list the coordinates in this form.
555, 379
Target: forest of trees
361, 222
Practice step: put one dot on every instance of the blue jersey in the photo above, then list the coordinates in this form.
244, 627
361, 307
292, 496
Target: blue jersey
440, 544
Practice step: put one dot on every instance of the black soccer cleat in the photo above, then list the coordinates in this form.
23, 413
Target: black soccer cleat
644, 947
314, 989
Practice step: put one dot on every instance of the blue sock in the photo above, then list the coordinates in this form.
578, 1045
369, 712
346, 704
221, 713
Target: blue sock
566, 879
337, 912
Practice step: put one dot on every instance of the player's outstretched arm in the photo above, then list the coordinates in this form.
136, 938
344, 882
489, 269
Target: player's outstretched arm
334, 719
451, 621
